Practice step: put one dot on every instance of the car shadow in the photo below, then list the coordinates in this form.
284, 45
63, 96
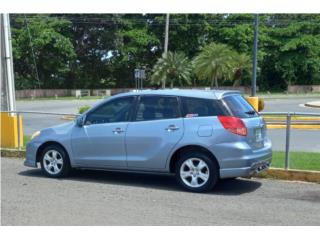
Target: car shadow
164, 182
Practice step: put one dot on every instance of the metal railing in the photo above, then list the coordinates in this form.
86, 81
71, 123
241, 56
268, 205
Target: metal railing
288, 124
288, 128
18, 113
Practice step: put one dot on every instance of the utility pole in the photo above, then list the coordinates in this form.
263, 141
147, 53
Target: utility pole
166, 43
8, 100
254, 62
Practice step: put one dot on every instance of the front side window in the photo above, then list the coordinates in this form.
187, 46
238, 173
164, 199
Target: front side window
117, 110
201, 107
157, 108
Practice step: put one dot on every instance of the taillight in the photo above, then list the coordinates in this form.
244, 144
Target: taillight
233, 124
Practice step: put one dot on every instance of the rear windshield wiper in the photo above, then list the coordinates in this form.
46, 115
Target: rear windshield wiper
251, 112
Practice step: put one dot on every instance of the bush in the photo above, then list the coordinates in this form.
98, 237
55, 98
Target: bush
84, 108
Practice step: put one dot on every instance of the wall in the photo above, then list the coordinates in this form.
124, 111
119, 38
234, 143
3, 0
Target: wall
40, 93
304, 89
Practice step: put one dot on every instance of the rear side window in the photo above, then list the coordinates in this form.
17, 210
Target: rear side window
157, 108
239, 107
200, 107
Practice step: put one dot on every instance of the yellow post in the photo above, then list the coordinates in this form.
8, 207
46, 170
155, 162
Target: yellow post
254, 101
10, 130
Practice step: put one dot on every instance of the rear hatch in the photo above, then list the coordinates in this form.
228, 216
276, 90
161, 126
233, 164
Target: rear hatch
256, 128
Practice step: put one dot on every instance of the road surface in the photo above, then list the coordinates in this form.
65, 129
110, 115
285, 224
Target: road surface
105, 198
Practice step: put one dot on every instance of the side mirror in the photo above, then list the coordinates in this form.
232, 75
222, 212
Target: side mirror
80, 120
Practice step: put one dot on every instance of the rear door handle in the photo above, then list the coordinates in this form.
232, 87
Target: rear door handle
118, 131
172, 128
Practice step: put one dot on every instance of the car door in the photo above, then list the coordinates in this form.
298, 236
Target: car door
100, 142
156, 128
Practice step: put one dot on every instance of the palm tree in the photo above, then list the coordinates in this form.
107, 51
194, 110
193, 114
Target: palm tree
215, 62
173, 67
242, 62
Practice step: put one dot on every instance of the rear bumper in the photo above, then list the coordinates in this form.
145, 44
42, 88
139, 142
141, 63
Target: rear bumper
255, 168
242, 161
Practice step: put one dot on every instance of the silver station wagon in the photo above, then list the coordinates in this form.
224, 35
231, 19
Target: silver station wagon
200, 136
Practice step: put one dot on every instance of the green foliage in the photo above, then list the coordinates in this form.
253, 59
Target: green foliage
299, 60
51, 43
174, 68
215, 62
242, 66
83, 109
102, 50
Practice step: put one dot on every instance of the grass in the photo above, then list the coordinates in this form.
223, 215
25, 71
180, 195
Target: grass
298, 160
26, 139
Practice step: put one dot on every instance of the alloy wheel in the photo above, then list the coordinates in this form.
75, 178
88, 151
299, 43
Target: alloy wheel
53, 162
194, 172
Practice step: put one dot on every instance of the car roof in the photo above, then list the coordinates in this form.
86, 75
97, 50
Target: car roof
211, 94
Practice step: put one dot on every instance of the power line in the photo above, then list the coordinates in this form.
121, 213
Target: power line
102, 21
32, 51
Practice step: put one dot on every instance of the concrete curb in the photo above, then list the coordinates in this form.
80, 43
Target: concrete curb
315, 104
273, 173
68, 118
14, 153
291, 175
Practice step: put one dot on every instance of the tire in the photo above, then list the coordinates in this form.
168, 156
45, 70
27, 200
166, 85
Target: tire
197, 178
55, 162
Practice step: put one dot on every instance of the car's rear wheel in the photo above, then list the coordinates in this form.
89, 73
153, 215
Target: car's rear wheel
197, 172
55, 161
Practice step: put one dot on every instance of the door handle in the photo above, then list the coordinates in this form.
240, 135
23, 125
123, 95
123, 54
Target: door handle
118, 131
172, 128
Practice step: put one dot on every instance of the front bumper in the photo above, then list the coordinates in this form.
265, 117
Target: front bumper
28, 163
31, 154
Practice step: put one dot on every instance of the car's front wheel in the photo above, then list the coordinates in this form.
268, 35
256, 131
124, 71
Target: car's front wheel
197, 172
55, 161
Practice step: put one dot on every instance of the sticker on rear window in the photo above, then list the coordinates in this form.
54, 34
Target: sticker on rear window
191, 115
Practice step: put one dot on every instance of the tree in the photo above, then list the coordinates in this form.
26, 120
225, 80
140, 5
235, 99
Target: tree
53, 51
102, 50
241, 63
215, 62
172, 67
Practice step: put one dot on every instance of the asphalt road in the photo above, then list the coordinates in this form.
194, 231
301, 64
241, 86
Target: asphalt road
105, 198
290, 105
301, 139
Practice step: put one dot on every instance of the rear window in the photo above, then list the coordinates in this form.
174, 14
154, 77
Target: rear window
239, 107
200, 107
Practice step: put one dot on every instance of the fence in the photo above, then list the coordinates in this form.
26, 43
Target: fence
288, 124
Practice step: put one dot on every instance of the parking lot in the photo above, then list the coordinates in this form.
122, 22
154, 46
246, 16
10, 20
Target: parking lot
105, 198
